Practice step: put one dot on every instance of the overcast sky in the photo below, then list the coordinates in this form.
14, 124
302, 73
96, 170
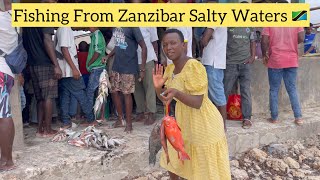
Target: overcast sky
315, 15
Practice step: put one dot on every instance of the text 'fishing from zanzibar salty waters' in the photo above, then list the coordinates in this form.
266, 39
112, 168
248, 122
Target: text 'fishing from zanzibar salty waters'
157, 15
160, 15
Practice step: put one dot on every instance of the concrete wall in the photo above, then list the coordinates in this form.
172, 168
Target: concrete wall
308, 86
17, 116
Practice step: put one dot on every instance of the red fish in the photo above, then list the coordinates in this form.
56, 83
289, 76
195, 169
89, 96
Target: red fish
171, 131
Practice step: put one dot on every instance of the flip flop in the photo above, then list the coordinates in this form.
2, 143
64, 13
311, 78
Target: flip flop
299, 122
273, 121
248, 126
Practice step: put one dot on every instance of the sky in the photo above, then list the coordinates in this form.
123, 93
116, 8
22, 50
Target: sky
315, 15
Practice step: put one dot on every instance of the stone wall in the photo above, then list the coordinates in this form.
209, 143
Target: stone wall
308, 86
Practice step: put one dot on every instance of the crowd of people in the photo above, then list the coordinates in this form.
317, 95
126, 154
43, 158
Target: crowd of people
194, 70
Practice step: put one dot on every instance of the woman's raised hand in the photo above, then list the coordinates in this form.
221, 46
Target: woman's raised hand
158, 80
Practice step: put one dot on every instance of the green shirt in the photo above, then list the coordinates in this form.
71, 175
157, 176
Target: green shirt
238, 46
98, 44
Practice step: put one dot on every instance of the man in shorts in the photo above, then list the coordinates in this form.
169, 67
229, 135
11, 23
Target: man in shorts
125, 67
44, 71
8, 42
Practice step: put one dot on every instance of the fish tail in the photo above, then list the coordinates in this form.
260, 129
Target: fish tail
183, 156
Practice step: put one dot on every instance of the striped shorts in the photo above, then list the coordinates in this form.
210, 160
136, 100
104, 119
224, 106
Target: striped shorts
44, 83
6, 84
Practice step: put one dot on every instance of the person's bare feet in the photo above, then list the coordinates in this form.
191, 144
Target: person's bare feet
299, 122
50, 133
103, 119
273, 121
140, 117
94, 123
40, 134
118, 123
128, 128
150, 119
7, 167
3, 162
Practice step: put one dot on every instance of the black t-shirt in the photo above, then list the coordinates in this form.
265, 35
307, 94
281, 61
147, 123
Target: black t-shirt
126, 58
33, 42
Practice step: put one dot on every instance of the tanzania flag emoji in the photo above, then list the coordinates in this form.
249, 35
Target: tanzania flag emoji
299, 15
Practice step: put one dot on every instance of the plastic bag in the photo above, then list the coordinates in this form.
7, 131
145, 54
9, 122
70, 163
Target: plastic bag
234, 107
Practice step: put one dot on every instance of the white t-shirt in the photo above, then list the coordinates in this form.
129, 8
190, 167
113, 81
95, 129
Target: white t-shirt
64, 38
150, 35
8, 40
187, 33
215, 53
111, 45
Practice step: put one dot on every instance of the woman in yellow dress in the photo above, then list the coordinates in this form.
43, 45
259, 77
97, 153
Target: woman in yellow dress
201, 123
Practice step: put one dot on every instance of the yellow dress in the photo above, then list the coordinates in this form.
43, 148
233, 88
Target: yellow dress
202, 129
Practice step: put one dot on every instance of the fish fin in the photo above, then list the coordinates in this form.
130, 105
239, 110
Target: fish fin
179, 127
183, 156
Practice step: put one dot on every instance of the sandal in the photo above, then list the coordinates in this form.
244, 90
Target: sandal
246, 124
273, 121
299, 122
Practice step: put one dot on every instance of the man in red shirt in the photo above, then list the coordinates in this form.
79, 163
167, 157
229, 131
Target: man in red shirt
280, 53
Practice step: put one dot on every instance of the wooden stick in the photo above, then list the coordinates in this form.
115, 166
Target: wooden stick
314, 8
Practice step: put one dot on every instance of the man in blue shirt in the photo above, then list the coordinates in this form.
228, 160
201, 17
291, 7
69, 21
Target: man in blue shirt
308, 40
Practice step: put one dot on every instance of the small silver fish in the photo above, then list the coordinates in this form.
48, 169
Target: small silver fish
111, 143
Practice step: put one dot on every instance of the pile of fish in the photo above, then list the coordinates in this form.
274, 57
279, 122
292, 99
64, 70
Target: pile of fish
89, 137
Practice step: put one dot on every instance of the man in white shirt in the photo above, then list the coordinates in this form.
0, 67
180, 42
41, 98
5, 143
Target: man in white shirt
214, 41
71, 82
8, 42
144, 93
